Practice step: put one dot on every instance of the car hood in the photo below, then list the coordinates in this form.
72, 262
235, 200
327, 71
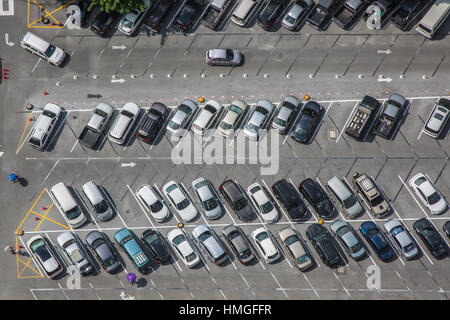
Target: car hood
121, 126
50, 265
268, 246
188, 213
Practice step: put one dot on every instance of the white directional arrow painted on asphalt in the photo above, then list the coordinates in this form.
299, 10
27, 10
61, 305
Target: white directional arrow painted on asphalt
121, 80
7, 40
121, 47
384, 79
124, 296
1, 153
130, 164
388, 51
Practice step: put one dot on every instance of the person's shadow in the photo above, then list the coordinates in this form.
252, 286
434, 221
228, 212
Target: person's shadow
23, 182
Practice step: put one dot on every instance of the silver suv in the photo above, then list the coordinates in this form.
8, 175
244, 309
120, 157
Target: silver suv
44, 126
206, 239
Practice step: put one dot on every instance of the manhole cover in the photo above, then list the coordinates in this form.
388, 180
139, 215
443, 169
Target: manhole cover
332, 134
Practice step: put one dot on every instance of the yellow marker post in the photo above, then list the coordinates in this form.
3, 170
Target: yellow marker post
307, 97
321, 221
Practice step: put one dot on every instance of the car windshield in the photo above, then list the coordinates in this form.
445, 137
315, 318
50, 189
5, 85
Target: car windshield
35, 141
300, 130
100, 113
97, 243
109, 261
290, 19
101, 207
322, 202
185, 109
174, 125
397, 230
210, 204
126, 239
50, 50
224, 125
73, 213
408, 248
235, 109
261, 110
376, 201
156, 206
171, 188
356, 248
36, 244
262, 236
127, 114
302, 259
251, 127
266, 207
48, 114
178, 239
205, 235
280, 122
230, 54
43, 253
434, 198
438, 116
151, 237
343, 230
291, 239
183, 204
68, 243
210, 108
191, 257
349, 202
241, 203
127, 23
246, 253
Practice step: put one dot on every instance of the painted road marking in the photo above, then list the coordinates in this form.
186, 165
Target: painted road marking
10, 11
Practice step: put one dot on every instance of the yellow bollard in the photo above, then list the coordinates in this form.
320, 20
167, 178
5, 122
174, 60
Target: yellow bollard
307, 97
321, 221
180, 225
201, 99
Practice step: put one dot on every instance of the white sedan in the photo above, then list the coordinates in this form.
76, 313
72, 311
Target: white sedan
183, 247
265, 245
154, 205
401, 238
183, 206
262, 202
258, 119
428, 194
206, 117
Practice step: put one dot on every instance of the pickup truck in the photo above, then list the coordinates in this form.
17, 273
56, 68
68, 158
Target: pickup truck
363, 119
133, 250
409, 11
96, 125
349, 14
213, 15
393, 110
320, 15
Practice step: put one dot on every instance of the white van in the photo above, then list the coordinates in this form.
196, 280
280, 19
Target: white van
344, 197
97, 201
434, 18
44, 126
67, 204
43, 49
244, 12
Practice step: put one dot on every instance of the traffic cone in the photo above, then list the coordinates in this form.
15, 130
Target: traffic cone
45, 93
19, 247
44, 208
36, 219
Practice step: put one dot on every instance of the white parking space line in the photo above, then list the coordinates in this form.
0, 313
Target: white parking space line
74, 145
348, 119
51, 170
328, 108
117, 211
63, 291
310, 284
34, 68
342, 284
279, 285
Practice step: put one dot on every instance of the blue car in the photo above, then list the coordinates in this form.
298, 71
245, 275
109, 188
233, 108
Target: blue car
126, 240
377, 240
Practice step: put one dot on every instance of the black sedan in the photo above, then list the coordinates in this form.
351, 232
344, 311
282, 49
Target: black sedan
154, 119
407, 13
290, 199
156, 245
430, 237
270, 14
323, 243
317, 197
308, 123
186, 18
103, 23
377, 240
156, 17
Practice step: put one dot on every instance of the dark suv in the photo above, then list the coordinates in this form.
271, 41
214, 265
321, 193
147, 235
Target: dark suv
185, 19
290, 199
156, 17
323, 243
317, 197
103, 22
231, 191
155, 244
154, 119
270, 13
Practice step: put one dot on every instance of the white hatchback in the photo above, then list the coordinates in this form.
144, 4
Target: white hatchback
428, 194
152, 203
206, 117
263, 203
179, 200
266, 245
123, 123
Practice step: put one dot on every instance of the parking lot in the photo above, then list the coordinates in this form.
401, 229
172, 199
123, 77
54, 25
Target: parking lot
336, 68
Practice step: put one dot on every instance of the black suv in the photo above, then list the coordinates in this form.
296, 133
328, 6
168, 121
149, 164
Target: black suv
270, 13
155, 244
185, 19
231, 191
103, 22
154, 119
84, 13
290, 199
323, 243
430, 237
317, 197
156, 17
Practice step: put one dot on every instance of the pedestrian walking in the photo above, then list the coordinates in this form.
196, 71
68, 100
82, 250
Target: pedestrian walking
13, 177
10, 249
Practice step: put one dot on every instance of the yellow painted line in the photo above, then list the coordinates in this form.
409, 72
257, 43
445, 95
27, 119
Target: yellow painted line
29, 24
28, 14
23, 133
17, 260
30, 210
50, 220
43, 27
28, 277
45, 216
47, 14
27, 266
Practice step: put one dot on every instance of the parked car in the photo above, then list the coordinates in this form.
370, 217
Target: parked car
132, 20
408, 12
233, 115
232, 193
297, 14
189, 14
366, 187
207, 197
245, 11
290, 199
363, 118
181, 116
348, 238
45, 256
153, 121
206, 239
156, 17
84, 13
67, 205
102, 249
183, 247
235, 239
103, 22
124, 122
285, 115
206, 117
377, 240
308, 123
96, 125
223, 57
180, 201
292, 244
430, 237
215, 13
427, 192
97, 201
270, 13
344, 197
263, 203
323, 243
317, 197
133, 250
438, 118
151, 202
446, 228
321, 15
258, 118
401, 238
349, 14
74, 250
44, 126
266, 245
156, 245
392, 113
